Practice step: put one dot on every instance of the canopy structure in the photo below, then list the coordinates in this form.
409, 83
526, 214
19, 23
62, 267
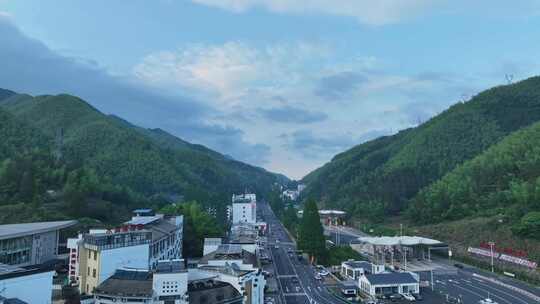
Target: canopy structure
399, 241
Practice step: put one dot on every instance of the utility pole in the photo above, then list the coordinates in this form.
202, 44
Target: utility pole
491, 244
400, 229
432, 286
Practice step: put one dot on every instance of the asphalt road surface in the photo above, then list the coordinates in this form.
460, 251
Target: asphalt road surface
296, 278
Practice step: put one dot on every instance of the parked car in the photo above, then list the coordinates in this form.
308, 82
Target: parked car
324, 272
409, 297
418, 297
395, 297
457, 265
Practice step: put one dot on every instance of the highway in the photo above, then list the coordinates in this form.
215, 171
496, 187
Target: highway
296, 279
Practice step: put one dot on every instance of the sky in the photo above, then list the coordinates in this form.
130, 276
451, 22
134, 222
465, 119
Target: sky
282, 84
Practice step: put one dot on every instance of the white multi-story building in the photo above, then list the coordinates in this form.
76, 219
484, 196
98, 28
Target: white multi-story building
142, 242
244, 208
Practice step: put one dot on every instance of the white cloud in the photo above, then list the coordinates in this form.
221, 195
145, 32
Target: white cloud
229, 73
372, 12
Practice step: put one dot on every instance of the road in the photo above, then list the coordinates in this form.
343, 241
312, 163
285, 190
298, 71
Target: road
296, 279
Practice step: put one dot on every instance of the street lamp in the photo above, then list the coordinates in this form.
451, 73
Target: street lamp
491, 244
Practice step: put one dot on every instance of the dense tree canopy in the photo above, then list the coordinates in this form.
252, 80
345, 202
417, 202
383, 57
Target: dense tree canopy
198, 225
311, 234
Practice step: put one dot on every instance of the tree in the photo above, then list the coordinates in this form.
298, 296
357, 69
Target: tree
311, 237
197, 226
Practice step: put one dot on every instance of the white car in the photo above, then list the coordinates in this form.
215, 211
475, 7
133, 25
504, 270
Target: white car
409, 297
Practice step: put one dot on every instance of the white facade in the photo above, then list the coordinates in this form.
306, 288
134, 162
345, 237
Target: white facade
34, 288
132, 256
211, 245
170, 285
73, 246
244, 212
391, 285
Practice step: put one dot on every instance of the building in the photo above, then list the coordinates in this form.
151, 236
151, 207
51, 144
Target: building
330, 217
244, 208
100, 254
30, 243
169, 283
354, 269
167, 234
239, 267
290, 194
389, 283
300, 188
245, 235
147, 237
398, 251
211, 245
29, 284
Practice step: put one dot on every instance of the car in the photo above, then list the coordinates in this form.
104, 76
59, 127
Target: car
418, 297
395, 297
276, 246
295, 280
318, 277
457, 265
409, 297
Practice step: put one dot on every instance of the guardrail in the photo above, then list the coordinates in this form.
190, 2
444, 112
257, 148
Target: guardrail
514, 288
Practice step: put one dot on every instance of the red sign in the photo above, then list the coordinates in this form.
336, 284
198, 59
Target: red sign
505, 250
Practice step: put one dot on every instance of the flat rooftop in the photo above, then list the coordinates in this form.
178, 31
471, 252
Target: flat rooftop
17, 230
399, 240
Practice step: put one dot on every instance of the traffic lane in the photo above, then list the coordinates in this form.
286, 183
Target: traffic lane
296, 299
291, 286
283, 266
472, 289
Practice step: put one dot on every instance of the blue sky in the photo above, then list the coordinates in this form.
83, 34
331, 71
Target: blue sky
284, 84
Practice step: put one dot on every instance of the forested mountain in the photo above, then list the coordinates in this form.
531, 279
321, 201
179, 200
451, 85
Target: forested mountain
382, 176
503, 181
81, 145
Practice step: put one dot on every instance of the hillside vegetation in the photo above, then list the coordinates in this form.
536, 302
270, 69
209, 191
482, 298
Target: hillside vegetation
381, 177
97, 162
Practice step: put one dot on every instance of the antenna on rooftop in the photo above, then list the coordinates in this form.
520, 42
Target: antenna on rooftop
509, 78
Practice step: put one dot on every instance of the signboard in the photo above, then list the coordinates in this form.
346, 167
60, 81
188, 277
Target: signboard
503, 257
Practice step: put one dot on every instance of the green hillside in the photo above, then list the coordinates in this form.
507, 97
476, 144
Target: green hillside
143, 162
381, 176
503, 181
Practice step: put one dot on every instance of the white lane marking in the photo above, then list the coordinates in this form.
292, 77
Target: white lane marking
504, 292
491, 294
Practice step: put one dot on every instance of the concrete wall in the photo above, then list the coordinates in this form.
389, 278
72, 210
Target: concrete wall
244, 213
132, 256
44, 247
34, 289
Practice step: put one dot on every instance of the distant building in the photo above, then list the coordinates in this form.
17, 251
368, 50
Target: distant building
170, 283
244, 208
330, 217
300, 188
354, 269
290, 194
29, 284
245, 235
389, 283
30, 243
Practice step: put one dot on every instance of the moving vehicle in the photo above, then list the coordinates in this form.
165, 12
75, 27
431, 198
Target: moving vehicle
318, 277
487, 301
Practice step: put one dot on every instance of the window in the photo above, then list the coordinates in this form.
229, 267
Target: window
95, 255
94, 272
88, 272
